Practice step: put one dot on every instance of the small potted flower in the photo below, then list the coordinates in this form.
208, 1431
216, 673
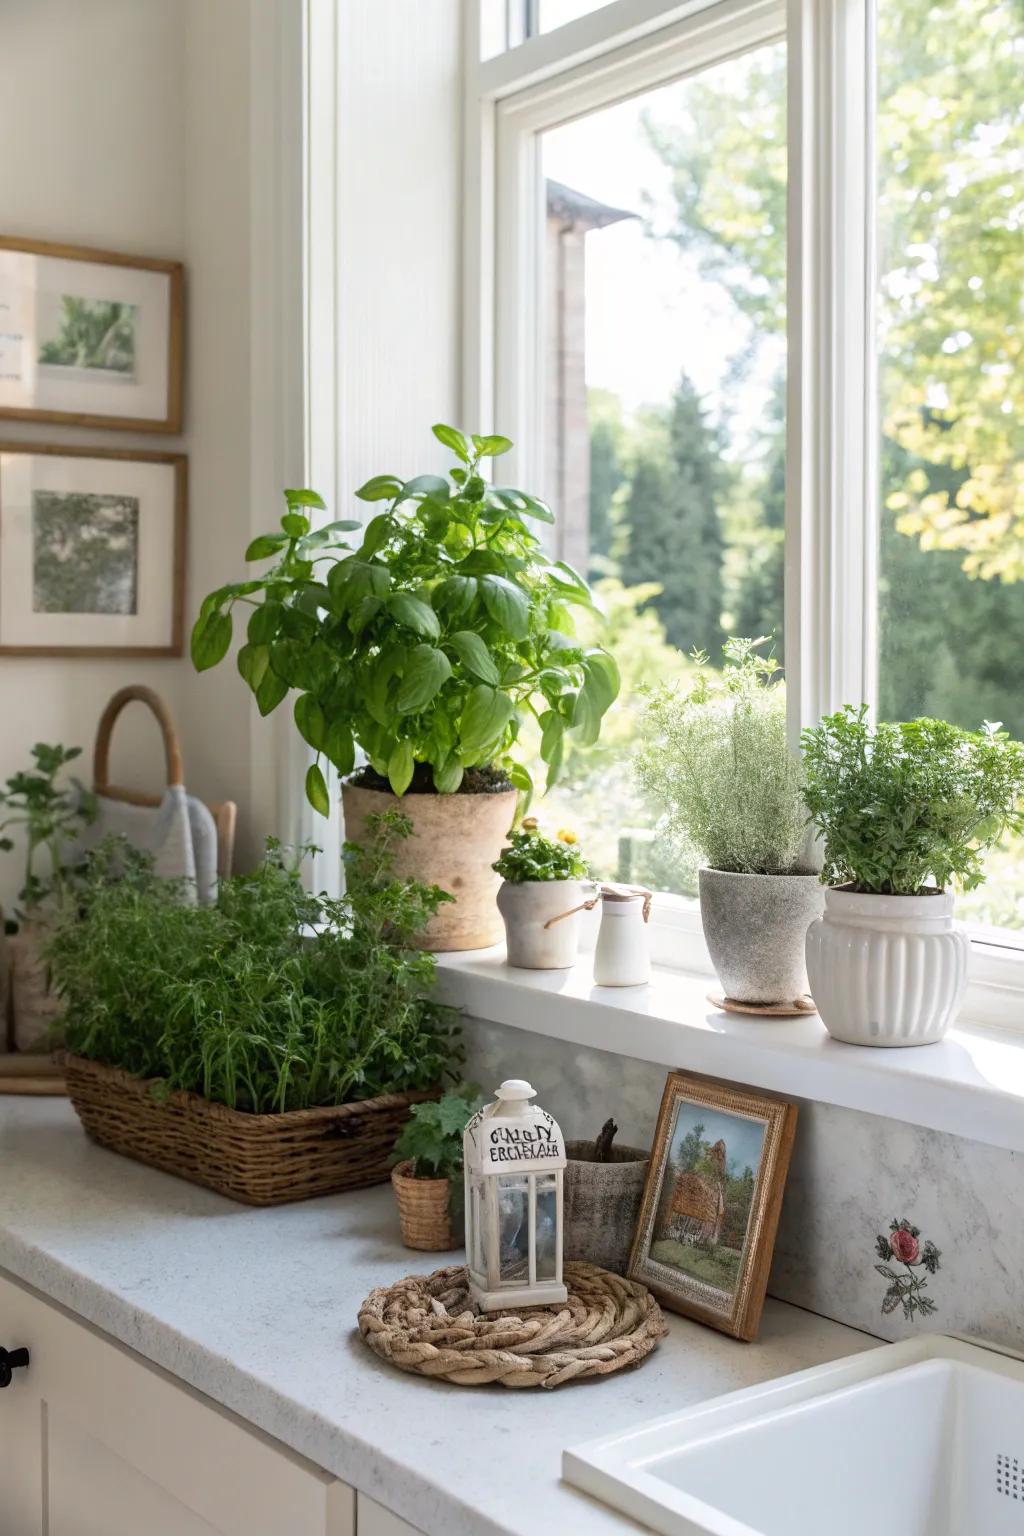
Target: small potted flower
427, 1178
542, 890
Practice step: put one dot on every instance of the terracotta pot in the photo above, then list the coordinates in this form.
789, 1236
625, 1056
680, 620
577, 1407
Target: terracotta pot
424, 1211
455, 840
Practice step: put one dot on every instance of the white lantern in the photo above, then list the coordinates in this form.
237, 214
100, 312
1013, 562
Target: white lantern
514, 1158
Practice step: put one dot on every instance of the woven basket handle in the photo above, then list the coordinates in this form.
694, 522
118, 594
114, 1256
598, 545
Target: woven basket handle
101, 753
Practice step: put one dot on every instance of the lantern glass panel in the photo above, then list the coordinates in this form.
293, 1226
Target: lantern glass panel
514, 1229
547, 1226
477, 1262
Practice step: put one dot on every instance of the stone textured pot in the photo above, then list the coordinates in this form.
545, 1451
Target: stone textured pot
602, 1204
526, 906
755, 927
35, 1008
424, 1211
455, 840
887, 970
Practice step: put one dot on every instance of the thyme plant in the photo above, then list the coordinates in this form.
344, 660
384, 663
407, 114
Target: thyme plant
905, 807
51, 816
238, 1002
716, 759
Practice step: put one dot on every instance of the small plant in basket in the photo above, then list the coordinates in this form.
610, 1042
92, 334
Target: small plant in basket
427, 1178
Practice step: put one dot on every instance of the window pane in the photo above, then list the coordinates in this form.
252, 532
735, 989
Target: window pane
664, 358
506, 23
951, 360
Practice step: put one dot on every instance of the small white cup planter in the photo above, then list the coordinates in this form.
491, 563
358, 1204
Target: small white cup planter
887, 970
526, 906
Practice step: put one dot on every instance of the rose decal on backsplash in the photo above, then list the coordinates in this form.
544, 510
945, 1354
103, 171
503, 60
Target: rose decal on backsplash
902, 1245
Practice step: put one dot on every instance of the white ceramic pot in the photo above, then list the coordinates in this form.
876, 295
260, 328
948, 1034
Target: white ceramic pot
526, 906
887, 970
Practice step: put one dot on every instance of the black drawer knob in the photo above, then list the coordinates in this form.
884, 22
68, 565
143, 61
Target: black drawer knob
11, 1360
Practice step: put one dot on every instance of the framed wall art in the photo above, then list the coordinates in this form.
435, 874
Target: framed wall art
89, 338
711, 1203
92, 551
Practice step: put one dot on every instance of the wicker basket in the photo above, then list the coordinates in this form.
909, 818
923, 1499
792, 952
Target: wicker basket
424, 1211
258, 1159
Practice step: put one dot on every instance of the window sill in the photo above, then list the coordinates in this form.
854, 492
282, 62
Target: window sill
971, 1084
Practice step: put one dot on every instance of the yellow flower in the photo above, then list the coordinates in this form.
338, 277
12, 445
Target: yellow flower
565, 836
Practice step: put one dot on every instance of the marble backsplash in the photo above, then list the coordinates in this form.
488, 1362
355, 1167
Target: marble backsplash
852, 1176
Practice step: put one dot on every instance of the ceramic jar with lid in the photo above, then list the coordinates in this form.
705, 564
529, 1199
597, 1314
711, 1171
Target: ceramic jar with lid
623, 954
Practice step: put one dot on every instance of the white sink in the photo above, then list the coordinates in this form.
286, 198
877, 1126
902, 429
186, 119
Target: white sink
924, 1438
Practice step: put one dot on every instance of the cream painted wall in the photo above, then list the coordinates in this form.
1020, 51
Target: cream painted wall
126, 124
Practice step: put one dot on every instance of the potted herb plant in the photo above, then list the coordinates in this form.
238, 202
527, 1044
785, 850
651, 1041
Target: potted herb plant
51, 816
905, 811
269, 1046
427, 1178
717, 760
542, 884
426, 646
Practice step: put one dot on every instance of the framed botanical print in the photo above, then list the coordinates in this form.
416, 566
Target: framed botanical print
710, 1210
92, 551
89, 338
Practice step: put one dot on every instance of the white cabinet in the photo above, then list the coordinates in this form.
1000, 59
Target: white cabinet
372, 1519
96, 1442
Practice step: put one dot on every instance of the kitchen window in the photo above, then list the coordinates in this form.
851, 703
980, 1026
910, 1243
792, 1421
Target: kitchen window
743, 283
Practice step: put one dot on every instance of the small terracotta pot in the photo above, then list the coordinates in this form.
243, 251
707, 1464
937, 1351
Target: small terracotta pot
455, 840
424, 1211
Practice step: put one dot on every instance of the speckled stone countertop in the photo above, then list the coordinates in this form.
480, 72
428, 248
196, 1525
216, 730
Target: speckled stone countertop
257, 1309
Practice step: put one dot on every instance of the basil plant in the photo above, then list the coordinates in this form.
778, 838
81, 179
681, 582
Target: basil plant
431, 642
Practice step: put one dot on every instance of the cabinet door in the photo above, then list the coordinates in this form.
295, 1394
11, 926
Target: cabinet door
374, 1520
95, 1442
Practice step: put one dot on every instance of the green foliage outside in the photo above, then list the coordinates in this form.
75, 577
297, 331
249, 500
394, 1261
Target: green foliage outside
717, 762
51, 817
531, 856
900, 806
92, 333
432, 1137
431, 643
233, 1002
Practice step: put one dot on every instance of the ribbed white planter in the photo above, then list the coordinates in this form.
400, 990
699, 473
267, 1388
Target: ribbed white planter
526, 906
887, 970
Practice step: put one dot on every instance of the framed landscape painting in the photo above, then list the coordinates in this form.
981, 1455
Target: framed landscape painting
89, 337
92, 551
711, 1204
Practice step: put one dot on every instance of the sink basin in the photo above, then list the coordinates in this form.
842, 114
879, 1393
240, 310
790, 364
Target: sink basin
925, 1438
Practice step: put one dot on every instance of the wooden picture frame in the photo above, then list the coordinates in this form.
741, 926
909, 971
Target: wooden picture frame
138, 609
87, 346
711, 1203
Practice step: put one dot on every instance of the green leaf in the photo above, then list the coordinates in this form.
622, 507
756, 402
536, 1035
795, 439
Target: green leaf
474, 655
427, 671
552, 732
253, 661
415, 614
453, 439
602, 678
304, 498
448, 777
270, 691
537, 509
491, 446
266, 545
378, 530
309, 717
400, 767
434, 486
455, 593
316, 790
521, 778
211, 637
342, 525
507, 605
380, 488
295, 525
264, 623
586, 719
484, 718
340, 747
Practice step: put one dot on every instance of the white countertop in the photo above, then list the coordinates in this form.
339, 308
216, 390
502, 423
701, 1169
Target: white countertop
257, 1309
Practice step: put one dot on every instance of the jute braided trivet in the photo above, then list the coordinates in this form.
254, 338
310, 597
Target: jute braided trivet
428, 1325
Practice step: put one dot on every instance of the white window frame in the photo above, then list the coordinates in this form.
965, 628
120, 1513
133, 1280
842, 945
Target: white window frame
620, 50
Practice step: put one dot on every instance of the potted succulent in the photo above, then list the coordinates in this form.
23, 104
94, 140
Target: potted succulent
717, 760
603, 1189
426, 646
51, 815
427, 1176
269, 1046
905, 811
542, 886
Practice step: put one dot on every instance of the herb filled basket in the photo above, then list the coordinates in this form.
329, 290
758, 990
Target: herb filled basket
231, 1047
